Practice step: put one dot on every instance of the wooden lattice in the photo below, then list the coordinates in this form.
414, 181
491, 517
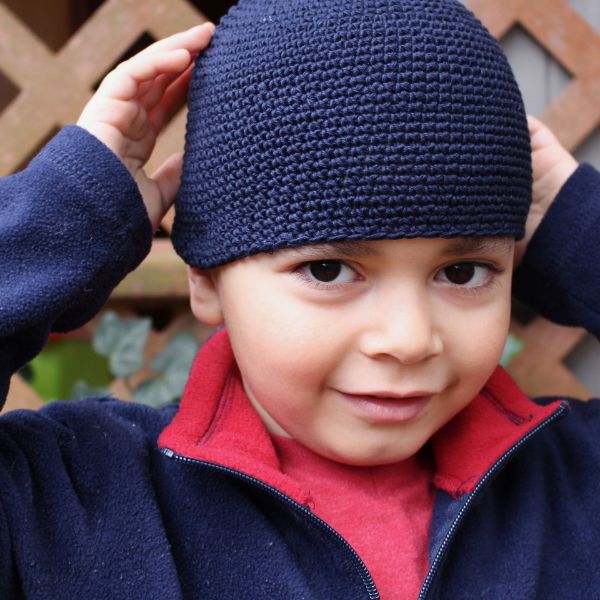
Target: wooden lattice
55, 86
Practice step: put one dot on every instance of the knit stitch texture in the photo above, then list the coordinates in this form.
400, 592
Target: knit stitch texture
323, 120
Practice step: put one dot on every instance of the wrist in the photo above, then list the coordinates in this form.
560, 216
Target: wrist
547, 187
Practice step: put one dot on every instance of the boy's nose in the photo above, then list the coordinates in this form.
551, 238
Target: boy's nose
404, 331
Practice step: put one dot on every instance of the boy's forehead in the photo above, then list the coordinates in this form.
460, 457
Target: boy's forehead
361, 248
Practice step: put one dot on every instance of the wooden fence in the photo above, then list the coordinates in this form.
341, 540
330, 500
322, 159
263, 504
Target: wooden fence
53, 87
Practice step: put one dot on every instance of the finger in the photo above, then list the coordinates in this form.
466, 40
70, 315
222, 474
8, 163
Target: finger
173, 99
535, 127
155, 93
147, 91
533, 123
145, 87
118, 113
151, 92
167, 177
192, 40
152, 95
123, 83
541, 135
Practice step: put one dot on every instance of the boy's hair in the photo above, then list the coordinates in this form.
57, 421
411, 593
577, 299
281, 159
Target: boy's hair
322, 120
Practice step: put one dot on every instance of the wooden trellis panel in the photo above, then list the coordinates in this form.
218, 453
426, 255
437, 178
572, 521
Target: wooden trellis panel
55, 86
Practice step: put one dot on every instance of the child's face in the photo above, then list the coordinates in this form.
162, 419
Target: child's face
363, 350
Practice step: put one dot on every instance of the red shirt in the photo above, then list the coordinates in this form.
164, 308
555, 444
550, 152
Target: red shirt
384, 512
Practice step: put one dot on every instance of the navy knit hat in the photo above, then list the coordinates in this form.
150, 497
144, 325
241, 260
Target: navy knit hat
322, 120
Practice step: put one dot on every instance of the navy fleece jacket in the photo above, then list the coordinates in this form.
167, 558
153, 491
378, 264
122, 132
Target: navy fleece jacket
90, 507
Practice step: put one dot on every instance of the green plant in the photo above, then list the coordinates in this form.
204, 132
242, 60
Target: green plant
512, 347
55, 371
122, 341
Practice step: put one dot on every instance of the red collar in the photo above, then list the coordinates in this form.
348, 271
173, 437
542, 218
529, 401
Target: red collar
216, 423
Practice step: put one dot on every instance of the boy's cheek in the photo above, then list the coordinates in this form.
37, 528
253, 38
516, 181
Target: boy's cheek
484, 347
278, 326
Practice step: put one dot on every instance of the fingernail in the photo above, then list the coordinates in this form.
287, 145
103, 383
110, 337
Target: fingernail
202, 25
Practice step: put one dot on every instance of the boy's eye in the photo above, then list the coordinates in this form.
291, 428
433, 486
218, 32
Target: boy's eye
465, 274
327, 271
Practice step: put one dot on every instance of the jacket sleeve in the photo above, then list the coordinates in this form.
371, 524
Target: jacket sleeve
560, 273
72, 225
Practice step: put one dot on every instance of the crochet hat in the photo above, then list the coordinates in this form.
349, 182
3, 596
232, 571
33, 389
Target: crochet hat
322, 120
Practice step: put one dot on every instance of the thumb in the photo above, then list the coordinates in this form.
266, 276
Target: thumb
167, 178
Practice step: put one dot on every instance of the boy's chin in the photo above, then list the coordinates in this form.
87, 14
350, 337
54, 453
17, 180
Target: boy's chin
367, 454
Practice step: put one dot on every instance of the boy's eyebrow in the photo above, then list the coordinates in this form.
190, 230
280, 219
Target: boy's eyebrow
343, 249
459, 246
354, 249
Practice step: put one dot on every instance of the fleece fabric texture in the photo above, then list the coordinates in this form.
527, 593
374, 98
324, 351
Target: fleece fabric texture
89, 507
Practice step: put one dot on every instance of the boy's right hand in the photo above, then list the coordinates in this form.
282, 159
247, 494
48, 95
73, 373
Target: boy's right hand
552, 166
136, 100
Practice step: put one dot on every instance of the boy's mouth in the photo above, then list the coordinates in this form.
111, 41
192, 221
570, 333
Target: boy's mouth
388, 407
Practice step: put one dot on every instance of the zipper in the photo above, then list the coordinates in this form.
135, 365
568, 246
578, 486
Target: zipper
359, 564
435, 565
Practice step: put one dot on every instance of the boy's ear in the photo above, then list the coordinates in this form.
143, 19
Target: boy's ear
204, 296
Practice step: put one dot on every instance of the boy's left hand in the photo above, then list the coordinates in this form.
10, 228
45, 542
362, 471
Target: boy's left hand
133, 104
552, 166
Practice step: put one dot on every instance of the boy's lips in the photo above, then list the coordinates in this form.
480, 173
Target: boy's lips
388, 407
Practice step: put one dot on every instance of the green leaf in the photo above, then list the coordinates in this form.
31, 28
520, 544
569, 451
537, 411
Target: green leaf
127, 356
107, 334
155, 392
175, 362
178, 354
82, 389
512, 347
176, 380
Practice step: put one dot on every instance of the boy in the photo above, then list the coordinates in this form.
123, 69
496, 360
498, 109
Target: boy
365, 284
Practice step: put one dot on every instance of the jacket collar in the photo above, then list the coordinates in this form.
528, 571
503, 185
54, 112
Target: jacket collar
217, 424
